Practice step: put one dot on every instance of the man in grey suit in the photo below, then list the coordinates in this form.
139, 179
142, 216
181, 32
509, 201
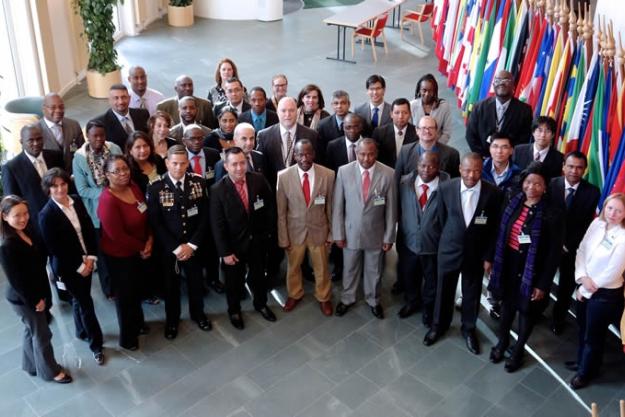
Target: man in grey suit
363, 224
376, 112
183, 88
59, 132
418, 235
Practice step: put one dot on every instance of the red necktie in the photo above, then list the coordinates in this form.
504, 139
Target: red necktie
196, 165
423, 199
242, 190
366, 183
306, 189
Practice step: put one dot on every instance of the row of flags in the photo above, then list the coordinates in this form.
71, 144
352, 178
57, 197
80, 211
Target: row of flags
557, 73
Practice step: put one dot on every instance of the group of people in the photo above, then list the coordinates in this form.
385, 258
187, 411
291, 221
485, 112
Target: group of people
170, 189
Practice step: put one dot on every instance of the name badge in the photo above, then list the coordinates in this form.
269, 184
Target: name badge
320, 200
379, 200
192, 211
61, 286
481, 220
607, 243
524, 239
210, 174
142, 207
259, 204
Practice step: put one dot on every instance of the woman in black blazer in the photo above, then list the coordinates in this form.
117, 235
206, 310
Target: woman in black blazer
71, 241
24, 263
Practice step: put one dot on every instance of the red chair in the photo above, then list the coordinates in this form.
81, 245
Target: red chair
371, 33
412, 17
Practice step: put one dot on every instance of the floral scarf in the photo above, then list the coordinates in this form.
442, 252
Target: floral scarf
95, 161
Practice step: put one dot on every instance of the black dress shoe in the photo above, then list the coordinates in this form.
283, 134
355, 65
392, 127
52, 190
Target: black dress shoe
99, 358
204, 325
32, 373
171, 332
571, 365
377, 311
431, 337
341, 309
237, 321
397, 288
472, 343
217, 286
513, 363
579, 382
129, 347
267, 313
407, 311
496, 354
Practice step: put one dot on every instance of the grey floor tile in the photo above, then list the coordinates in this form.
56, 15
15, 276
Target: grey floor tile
387, 332
201, 347
354, 391
232, 397
540, 382
337, 328
281, 364
17, 408
412, 395
83, 405
327, 405
381, 405
461, 402
493, 382
560, 404
16, 384
500, 411
522, 400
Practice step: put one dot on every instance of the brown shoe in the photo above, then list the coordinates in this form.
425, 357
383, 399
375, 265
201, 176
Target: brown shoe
326, 307
291, 303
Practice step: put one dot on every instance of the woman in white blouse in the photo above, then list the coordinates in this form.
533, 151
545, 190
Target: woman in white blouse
599, 268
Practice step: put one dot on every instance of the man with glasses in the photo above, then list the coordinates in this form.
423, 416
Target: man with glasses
375, 112
235, 94
499, 169
503, 113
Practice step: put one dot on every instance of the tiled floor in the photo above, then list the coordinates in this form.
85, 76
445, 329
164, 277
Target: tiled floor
305, 364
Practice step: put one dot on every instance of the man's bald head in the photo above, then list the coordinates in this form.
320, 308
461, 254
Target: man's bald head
138, 79
183, 86
53, 107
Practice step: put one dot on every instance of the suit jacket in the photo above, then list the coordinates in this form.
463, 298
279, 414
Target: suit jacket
524, 154
482, 123
177, 131
408, 156
419, 229
298, 222
234, 229
271, 118
459, 243
364, 111
336, 154
270, 144
328, 130
62, 240
72, 140
364, 224
211, 158
245, 107
204, 116
20, 177
581, 213
385, 137
178, 219
115, 131
258, 161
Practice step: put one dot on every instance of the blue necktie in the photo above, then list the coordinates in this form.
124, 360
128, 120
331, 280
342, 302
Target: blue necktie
569, 197
374, 118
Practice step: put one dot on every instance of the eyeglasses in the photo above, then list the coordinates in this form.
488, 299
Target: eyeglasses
279, 85
502, 81
120, 171
427, 128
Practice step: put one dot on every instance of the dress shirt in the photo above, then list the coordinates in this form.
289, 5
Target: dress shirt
339, 121
601, 256
421, 149
311, 178
499, 177
72, 216
399, 138
239, 107
567, 186
202, 161
432, 186
57, 130
128, 120
471, 204
285, 148
259, 119
542, 154
348, 144
380, 110
362, 171
501, 112
40, 164
151, 98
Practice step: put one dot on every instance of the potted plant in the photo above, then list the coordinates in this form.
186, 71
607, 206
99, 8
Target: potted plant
102, 69
180, 13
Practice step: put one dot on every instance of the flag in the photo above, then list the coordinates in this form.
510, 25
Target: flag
539, 28
494, 49
552, 103
574, 85
595, 172
520, 37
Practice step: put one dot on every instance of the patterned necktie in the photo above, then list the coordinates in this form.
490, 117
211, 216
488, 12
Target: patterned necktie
366, 183
126, 125
423, 199
374, 117
289, 146
142, 103
39, 167
569, 197
58, 133
306, 189
197, 168
242, 191
537, 157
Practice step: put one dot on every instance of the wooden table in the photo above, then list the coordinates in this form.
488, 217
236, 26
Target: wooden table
358, 15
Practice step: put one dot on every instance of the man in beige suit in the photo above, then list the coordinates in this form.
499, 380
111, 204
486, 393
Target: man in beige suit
304, 200
363, 224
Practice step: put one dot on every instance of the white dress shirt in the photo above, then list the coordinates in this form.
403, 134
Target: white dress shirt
125, 119
380, 110
72, 216
399, 138
601, 256
499, 177
542, 154
151, 98
348, 144
432, 186
469, 198
285, 148
311, 178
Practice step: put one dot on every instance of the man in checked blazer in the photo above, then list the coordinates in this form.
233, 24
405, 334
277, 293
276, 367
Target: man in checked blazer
304, 200
363, 224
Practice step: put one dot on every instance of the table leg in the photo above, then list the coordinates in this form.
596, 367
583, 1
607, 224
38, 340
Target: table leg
338, 46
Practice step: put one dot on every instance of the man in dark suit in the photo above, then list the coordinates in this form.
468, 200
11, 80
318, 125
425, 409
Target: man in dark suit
120, 121
276, 142
468, 213
342, 150
543, 130
178, 213
183, 88
376, 112
244, 137
235, 95
331, 127
392, 136
259, 115
578, 199
59, 132
418, 235
503, 113
187, 109
243, 218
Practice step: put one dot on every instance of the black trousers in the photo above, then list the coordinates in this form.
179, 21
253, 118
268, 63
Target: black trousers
566, 286
103, 269
336, 257
85, 320
472, 273
211, 261
253, 263
594, 316
419, 278
126, 281
192, 270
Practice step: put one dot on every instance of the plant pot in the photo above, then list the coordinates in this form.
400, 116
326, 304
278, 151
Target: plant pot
98, 85
180, 16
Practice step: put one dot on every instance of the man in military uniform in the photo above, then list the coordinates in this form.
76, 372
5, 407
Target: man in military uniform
178, 213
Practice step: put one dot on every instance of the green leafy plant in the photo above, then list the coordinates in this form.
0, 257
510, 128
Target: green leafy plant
180, 3
97, 17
